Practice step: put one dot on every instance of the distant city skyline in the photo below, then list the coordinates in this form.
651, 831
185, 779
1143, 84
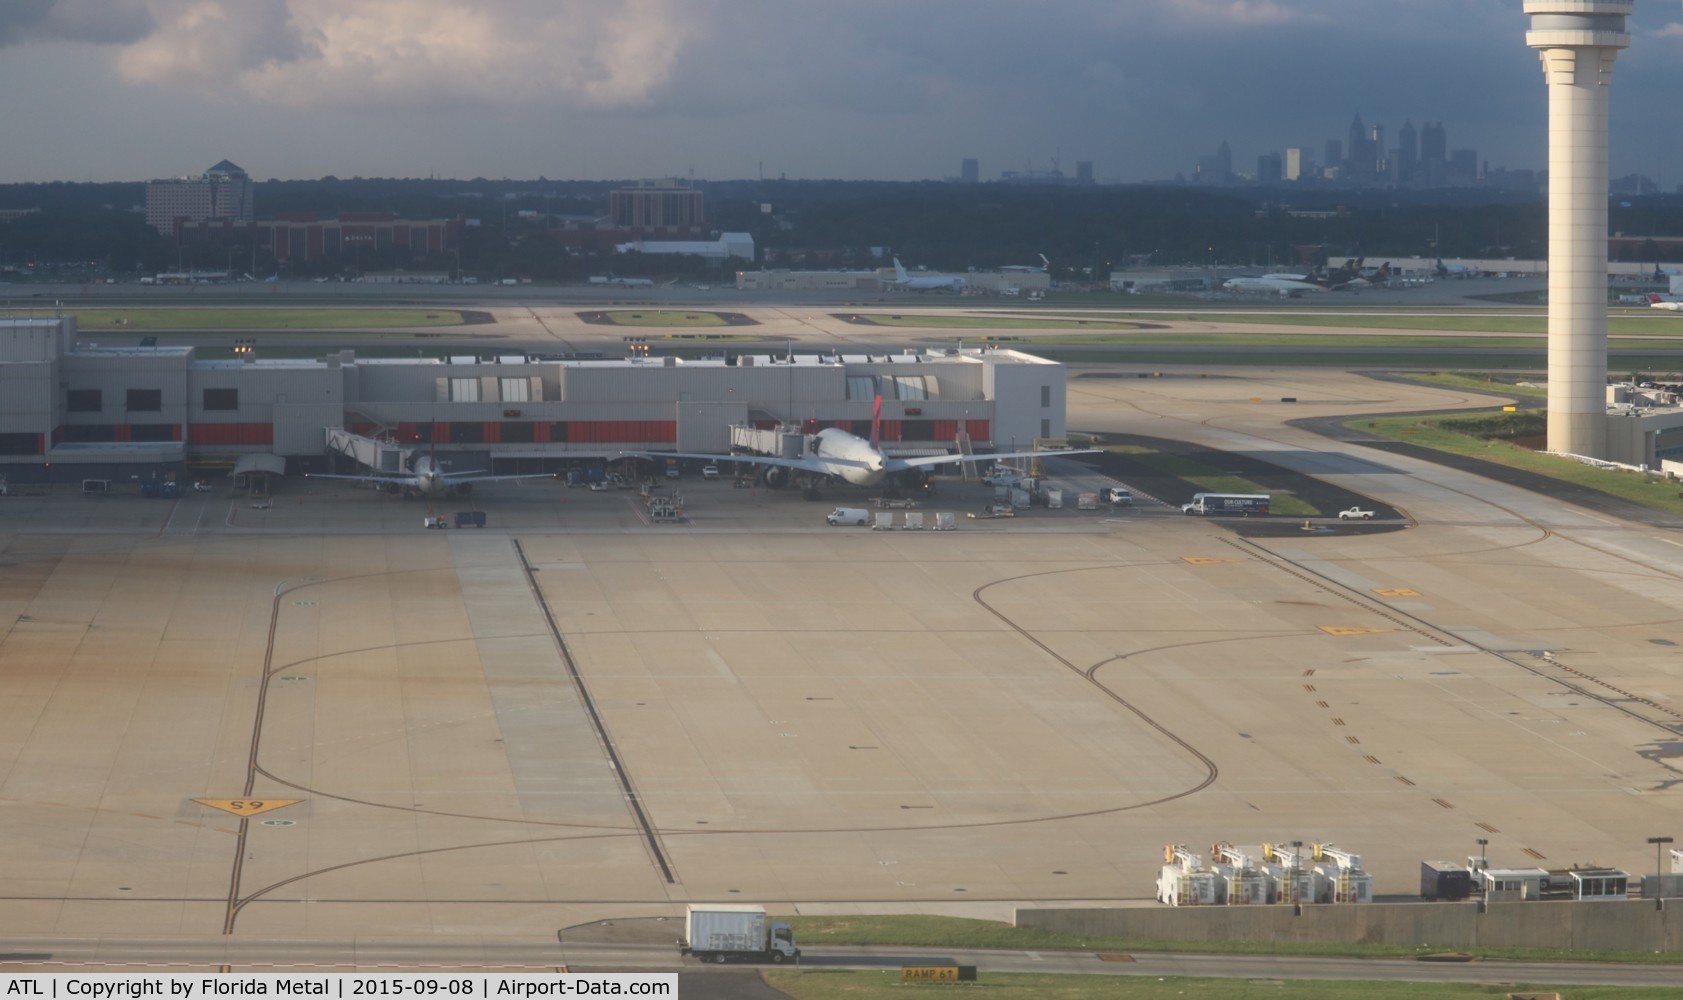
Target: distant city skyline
132, 90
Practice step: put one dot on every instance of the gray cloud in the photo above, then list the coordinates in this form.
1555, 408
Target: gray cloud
869, 88
100, 21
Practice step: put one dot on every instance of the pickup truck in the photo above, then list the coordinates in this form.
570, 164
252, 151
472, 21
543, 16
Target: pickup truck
1355, 514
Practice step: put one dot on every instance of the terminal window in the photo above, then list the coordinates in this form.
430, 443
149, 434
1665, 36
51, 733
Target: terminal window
145, 400
152, 432
83, 401
222, 399
20, 444
1045, 396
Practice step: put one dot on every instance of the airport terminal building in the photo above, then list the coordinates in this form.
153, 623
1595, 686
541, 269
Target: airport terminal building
70, 412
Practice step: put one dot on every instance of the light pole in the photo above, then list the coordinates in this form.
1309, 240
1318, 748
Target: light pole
1296, 847
1483, 842
1659, 885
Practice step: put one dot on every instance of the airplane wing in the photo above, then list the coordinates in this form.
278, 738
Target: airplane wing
928, 460
819, 463
474, 477
401, 480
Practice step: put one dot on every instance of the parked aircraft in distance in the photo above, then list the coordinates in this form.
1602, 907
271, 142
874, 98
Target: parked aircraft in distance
1284, 285
633, 282
1453, 270
1044, 266
927, 283
427, 477
1666, 302
851, 458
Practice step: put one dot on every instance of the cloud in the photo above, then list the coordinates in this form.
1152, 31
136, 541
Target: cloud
423, 54
100, 21
1245, 13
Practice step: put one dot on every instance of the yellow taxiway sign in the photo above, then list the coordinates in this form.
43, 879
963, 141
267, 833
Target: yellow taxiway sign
246, 807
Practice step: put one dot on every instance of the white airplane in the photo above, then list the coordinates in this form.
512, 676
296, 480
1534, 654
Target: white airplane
1666, 302
929, 283
428, 478
845, 456
1043, 266
1285, 285
633, 282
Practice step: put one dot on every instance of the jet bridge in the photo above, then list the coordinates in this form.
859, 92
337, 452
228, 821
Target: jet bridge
378, 456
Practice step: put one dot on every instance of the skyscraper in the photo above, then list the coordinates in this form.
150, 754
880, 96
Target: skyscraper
1434, 145
1300, 163
1408, 150
1217, 167
970, 171
1358, 135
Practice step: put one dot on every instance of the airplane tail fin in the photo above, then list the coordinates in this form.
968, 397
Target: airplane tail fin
1045, 265
1653, 298
899, 272
876, 425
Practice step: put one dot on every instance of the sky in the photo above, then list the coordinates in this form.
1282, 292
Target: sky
128, 90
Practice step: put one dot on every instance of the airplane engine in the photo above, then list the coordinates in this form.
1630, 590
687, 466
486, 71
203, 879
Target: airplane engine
911, 479
778, 478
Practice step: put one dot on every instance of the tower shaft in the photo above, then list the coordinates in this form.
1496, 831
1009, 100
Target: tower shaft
1578, 41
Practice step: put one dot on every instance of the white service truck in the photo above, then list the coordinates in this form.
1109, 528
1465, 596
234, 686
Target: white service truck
722, 932
848, 516
1355, 514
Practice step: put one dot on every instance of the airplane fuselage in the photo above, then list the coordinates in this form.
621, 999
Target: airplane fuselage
1277, 285
430, 480
832, 442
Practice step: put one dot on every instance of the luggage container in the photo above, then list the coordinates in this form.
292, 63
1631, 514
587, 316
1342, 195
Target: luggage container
944, 521
1020, 499
914, 522
884, 521
1055, 499
1087, 501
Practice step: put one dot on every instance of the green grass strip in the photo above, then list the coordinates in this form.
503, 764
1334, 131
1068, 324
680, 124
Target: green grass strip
837, 984
92, 322
1441, 434
1330, 341
1480, 383
921, 931
663, 317
967, 322
1629, 325
1214, 480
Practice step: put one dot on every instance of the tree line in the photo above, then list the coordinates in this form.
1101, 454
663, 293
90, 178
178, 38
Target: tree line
945, 226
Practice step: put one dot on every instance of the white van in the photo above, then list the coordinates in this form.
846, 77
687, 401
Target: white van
848, 515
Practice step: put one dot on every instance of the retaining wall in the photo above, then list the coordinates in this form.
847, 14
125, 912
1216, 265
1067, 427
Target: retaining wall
1629, 925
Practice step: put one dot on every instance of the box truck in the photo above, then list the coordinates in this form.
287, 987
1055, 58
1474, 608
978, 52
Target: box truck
722, 932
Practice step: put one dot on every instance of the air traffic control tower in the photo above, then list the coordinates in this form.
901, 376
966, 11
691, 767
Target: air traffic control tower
1578, 40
